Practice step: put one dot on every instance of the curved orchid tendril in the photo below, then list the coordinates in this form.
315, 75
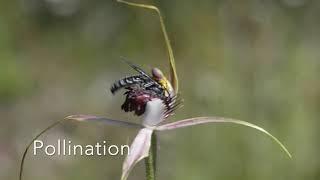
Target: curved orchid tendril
173, 71
81, 118
144, 144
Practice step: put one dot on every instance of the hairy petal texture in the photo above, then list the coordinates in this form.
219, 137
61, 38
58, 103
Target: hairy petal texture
204, 120
139, 149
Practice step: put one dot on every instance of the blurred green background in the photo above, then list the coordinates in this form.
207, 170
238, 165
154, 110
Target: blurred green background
254, 60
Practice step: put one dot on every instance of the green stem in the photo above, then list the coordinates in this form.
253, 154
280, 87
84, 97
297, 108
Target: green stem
151, 160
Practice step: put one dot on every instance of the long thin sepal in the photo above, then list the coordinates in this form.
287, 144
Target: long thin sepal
204, 120
82, 118
35, 138
173, 71
107, 121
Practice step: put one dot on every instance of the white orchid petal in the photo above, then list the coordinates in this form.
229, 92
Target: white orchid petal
139, 149
203, 120
91, 118
154, 113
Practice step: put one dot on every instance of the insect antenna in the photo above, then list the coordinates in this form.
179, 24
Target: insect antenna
135, 67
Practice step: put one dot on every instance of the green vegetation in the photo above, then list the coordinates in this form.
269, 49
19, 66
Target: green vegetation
250, 60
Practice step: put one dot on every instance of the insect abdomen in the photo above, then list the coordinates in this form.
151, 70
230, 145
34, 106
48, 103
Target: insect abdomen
126, 82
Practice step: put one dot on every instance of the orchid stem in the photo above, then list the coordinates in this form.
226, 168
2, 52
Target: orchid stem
151, 160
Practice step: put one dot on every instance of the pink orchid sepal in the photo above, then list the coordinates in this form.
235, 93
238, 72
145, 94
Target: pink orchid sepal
153, 118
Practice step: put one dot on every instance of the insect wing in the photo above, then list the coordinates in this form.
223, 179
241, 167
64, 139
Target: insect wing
138, 69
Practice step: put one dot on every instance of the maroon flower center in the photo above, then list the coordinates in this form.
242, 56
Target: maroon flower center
136, 100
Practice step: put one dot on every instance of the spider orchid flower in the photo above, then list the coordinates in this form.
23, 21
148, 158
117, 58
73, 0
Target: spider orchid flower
155, 113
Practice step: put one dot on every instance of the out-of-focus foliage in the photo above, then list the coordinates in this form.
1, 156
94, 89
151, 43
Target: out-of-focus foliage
253, 60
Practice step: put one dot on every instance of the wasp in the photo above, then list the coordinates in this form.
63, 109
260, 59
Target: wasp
142, 88
157, 82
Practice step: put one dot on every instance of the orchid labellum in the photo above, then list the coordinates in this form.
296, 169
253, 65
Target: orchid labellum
155, 110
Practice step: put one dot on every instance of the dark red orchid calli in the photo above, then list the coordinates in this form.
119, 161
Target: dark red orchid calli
154, 105
155, 109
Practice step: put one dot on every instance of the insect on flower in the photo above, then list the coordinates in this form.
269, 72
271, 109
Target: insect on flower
156, 98
142, 88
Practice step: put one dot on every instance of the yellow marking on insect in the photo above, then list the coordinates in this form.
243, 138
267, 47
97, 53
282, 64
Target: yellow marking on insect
158, 76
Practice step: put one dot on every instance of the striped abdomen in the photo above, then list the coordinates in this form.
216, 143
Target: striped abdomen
127, 82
